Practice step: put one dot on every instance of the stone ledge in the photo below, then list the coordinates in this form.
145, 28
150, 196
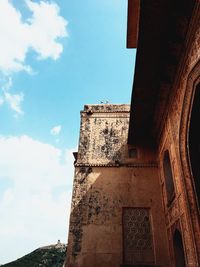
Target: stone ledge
109, 165
106, 108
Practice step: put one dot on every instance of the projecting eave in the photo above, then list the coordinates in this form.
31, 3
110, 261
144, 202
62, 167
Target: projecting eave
162, 30
133, 23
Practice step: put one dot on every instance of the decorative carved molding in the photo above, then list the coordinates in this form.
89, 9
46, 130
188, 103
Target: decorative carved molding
129, 165
178, 114
103, 115
106, 108
173, 212
192, 81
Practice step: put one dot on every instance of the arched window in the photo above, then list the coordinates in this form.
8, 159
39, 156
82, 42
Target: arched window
169, 183
194, 141
178, 249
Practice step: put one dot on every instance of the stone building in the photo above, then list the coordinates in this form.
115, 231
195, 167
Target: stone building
136, 191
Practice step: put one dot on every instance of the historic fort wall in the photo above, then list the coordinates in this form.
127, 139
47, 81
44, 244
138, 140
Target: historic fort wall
182, 212
116, 196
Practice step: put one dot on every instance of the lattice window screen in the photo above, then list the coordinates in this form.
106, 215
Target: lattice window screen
137, 236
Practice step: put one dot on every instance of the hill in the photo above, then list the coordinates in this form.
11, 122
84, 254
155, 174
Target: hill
48, 256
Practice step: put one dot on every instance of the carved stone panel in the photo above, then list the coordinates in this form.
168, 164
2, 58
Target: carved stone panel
137, 236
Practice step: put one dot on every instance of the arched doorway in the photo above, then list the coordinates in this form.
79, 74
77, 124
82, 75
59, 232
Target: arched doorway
179, 254
194, 142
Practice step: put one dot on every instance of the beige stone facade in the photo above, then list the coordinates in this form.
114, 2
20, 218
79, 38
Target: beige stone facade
109, 181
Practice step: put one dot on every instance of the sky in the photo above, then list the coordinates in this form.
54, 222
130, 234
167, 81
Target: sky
55, 56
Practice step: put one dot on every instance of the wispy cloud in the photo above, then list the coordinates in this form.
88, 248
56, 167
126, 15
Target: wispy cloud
14, 101
35, 189
56, 130
40, 33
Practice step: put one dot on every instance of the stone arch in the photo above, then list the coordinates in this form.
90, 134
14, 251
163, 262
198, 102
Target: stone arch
188, 181
194, 143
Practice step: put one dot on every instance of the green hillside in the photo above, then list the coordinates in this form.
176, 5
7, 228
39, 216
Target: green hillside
49, 256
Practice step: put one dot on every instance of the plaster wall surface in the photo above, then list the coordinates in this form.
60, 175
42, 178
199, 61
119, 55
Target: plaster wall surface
106, 181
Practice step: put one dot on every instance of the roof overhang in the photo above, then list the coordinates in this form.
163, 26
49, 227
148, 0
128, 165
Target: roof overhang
160, 29
133, 23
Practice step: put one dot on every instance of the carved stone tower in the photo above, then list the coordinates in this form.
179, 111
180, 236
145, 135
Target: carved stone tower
116, 196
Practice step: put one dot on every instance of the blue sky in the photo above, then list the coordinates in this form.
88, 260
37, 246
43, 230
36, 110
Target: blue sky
55, 57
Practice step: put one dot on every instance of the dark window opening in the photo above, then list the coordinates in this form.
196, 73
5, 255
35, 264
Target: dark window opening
194, 142
178, 249
169, 183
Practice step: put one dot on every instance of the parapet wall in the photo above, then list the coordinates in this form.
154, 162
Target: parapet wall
103, 134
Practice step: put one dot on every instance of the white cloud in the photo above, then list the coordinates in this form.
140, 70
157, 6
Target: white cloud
56, 130
7, 84
14, 101
46, 30
41, 33
35, 195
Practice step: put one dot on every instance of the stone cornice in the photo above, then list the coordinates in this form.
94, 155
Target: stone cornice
106, 108
111, 165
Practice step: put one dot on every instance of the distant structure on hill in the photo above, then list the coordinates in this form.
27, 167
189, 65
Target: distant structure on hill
48, 256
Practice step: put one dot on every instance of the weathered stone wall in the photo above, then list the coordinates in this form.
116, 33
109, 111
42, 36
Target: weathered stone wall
102, 139
106, 181
182, 214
